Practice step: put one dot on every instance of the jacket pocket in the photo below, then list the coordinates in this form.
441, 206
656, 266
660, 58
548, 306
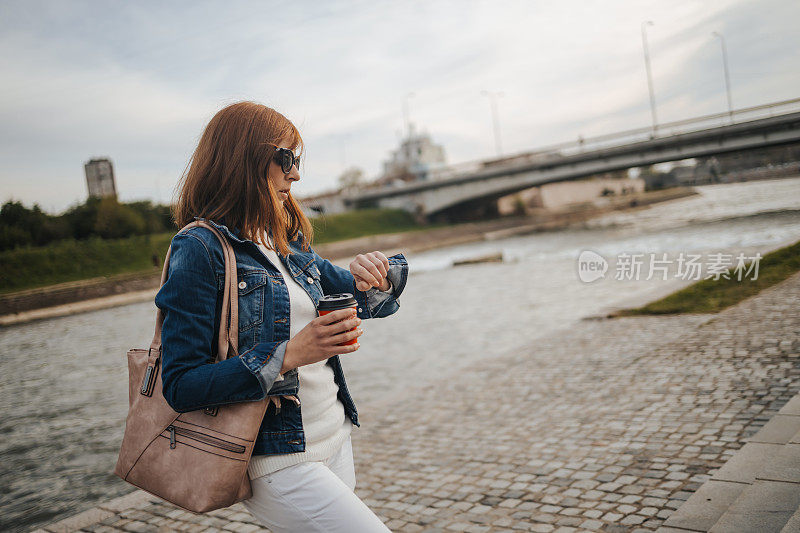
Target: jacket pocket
251, 285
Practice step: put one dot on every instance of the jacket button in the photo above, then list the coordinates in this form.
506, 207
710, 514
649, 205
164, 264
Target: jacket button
310, 279
242, 284
359, 309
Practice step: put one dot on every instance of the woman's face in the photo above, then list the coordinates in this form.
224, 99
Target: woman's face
282, 182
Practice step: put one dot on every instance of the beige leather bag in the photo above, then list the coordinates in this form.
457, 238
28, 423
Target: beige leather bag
196, 460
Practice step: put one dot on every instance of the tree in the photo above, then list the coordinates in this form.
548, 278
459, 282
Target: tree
351, 179
13, 236
81, 218
104, 217
157, 217
22, 226
115, 220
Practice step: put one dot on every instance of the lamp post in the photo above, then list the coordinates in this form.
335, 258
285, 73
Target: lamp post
727, 74
493, 96
649, 73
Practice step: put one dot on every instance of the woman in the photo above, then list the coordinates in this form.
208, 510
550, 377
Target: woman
239, 180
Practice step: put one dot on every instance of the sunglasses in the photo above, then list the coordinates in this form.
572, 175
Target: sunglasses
286, 158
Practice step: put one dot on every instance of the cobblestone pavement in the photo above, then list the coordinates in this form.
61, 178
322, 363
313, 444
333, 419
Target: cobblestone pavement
608, 425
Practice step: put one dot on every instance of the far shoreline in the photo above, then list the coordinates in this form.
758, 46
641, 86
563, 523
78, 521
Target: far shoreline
111, 291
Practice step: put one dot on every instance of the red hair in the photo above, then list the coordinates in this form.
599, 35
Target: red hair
226, 178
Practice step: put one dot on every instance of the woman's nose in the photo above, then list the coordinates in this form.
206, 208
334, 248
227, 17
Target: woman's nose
293, 174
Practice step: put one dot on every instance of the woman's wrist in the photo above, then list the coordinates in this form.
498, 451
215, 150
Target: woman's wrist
288, 358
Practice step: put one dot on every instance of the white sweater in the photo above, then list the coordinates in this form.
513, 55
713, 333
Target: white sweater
325, 425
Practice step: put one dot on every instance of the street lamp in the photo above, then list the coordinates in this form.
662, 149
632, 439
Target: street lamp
649, 74
727, 75
493, 96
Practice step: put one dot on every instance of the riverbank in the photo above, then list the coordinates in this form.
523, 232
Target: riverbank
104, 292
713, 295
77, 260
603, 426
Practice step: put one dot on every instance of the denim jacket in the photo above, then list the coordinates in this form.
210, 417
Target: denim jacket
191, 302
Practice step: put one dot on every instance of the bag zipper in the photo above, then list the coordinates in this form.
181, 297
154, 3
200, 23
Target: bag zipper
202, 437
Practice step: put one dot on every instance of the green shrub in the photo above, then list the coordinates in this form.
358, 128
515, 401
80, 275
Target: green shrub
115, 220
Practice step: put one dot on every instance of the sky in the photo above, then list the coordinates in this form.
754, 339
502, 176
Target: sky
138, 81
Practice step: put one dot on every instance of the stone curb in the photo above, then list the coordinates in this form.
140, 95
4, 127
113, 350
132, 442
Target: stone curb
704, 510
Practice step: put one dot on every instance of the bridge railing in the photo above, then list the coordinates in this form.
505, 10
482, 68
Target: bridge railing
600, 142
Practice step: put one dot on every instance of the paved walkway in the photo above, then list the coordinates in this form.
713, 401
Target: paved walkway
607, 426
757, 490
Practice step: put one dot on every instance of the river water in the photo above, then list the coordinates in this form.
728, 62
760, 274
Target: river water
64, 380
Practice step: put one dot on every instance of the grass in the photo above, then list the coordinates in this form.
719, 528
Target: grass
72, 260
712, 296
330, 228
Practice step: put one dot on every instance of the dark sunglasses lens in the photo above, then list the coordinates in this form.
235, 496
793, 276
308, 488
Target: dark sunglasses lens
286, 161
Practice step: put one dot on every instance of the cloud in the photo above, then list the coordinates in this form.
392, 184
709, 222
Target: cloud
138, 81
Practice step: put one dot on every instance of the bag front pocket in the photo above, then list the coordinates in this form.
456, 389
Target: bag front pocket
172, 432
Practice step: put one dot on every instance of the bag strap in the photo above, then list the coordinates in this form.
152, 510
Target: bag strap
230, 301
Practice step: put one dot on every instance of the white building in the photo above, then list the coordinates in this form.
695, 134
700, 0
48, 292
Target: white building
415, 157
100, 177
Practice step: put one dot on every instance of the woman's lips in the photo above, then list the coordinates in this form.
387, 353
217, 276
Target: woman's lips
284, 195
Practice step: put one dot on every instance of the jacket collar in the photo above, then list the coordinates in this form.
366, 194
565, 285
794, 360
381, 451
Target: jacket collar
235, 235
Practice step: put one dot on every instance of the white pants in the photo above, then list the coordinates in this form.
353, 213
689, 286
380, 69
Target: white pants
313, 496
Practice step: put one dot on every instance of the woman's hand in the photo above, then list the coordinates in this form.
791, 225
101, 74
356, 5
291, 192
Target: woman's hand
319, 338
369, 270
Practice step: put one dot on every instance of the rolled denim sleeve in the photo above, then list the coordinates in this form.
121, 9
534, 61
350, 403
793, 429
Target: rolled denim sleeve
376, 298
191, 303
373, 303
266, 367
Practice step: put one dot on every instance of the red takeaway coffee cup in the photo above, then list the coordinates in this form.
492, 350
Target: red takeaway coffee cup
334, 302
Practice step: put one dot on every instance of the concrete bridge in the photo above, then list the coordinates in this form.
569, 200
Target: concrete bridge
463, 187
